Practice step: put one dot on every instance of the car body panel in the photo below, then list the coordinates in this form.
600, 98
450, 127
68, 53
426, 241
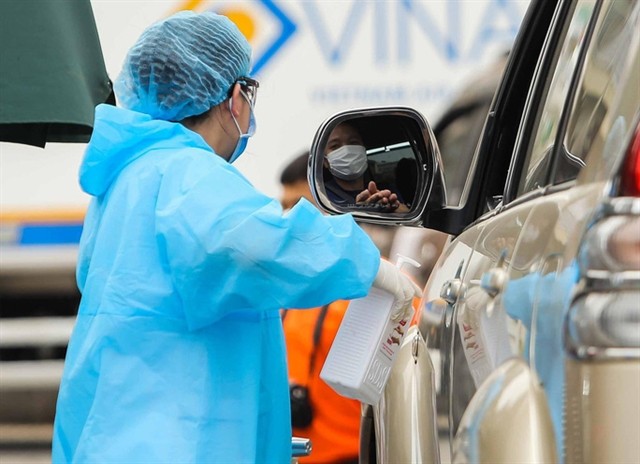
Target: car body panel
415, 436
509, 404
480, 342
602, 404
539, 234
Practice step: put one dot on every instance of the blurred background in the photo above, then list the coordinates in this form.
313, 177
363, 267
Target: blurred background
313, 58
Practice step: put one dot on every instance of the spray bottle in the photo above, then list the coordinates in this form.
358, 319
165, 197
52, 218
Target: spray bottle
362, 353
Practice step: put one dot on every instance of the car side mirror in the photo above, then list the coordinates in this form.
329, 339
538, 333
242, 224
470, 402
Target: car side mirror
360, 157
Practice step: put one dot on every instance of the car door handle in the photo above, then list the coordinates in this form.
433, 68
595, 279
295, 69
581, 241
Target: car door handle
454, 288
494, 281
451, 290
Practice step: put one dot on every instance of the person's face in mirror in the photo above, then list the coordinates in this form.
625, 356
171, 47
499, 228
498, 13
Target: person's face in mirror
346, 160
346, 156
343, 134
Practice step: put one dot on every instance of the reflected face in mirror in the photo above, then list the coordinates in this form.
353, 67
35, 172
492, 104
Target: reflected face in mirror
348, 179
346, 156
343, 134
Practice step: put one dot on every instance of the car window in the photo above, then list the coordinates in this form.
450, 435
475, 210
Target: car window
539, 152
606, 94
459, 128
457, 142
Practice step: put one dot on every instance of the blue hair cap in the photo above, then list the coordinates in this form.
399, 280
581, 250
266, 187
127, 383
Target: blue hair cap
183, 66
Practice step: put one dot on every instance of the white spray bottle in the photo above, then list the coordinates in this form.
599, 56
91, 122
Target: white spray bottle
362, 353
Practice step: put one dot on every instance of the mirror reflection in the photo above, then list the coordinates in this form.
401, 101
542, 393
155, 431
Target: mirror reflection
370, 163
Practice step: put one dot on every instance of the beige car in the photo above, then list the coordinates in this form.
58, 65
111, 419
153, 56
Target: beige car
529, 329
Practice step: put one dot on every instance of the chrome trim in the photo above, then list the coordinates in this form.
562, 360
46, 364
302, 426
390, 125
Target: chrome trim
494, 281
602, 281
451, 290
622, 205
582, 351
415, 346
573, 158
616, 206
594, 353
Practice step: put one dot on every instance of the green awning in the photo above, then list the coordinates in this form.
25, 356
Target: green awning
52, 72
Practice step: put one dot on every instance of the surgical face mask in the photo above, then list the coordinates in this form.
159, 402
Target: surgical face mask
348, 162
244, 138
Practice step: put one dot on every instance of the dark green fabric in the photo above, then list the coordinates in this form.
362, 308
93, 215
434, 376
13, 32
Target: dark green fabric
52, 72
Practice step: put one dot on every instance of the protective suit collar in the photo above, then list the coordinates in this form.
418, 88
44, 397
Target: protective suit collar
120, 136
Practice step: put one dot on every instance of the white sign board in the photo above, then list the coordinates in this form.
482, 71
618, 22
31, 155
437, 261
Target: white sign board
312, 58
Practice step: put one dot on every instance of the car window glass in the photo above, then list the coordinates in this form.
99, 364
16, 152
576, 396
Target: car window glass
539, 153
457, 142
606, 93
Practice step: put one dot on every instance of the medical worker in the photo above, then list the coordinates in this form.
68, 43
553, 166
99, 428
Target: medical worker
178, 353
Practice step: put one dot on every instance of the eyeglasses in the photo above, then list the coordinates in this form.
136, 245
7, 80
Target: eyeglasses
250, 88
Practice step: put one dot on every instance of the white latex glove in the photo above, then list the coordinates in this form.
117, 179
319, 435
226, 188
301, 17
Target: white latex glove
394, 281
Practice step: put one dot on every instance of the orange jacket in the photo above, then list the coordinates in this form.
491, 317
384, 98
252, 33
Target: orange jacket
334, 431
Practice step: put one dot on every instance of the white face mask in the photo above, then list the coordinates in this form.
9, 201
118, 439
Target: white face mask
348, 162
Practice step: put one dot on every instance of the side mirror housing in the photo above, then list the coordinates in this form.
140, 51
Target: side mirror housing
391, 150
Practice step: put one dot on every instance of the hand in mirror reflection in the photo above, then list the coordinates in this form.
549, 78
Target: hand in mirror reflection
372, 195
347, 180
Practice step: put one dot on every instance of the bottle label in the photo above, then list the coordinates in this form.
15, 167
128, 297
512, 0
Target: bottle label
391, 342
378, 374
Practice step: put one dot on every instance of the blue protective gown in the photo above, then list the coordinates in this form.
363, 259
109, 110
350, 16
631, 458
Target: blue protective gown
548, 298
177, 354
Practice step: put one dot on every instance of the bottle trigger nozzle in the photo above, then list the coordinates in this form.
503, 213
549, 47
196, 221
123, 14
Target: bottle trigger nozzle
402, 260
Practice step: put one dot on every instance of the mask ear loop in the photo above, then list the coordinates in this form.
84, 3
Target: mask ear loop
234, 118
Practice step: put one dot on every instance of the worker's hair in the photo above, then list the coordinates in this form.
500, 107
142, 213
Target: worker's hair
296, 170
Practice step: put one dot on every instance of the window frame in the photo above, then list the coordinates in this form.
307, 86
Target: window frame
599, 15
535, 104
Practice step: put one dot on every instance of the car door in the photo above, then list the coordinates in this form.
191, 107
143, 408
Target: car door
598, 114
519, 284
502, 250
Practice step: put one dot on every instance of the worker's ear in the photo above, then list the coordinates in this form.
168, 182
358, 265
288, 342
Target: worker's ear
237, 101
